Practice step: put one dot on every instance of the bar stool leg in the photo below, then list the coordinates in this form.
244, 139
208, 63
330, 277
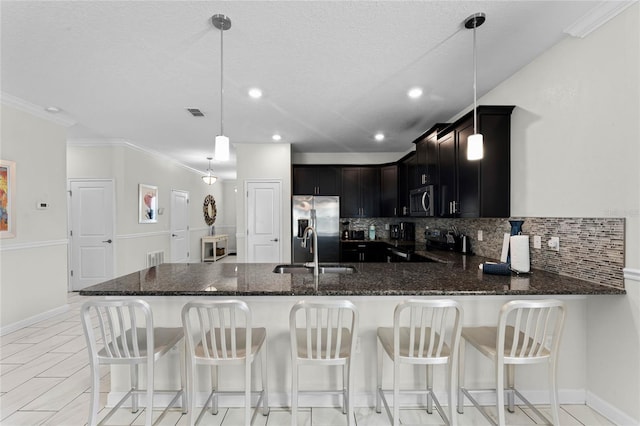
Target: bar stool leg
379, 378
265, 387
396, 393
511, 376
133, 372
294, 394
553, 390
214, 388
350, 393
430, 389
500, 393
247, 392
461, 377
95, 395
149, 410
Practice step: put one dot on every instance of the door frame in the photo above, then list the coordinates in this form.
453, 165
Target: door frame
188, 232
70, 223
246, 215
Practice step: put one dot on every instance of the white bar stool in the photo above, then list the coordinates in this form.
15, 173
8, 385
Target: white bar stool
105, 323
220, 333
323, 333
431, 338
528, 332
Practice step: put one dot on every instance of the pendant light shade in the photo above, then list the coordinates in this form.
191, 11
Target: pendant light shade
209, 178
475, 148
222, 148
475, 142
221, 153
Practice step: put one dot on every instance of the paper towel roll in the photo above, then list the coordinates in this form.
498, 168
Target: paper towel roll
519, 250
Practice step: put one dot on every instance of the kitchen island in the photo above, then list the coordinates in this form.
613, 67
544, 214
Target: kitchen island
375, 289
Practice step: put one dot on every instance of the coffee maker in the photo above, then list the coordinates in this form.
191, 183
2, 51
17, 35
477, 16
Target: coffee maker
407, 231
394, 232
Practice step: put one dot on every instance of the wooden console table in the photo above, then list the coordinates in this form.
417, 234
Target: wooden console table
214, 247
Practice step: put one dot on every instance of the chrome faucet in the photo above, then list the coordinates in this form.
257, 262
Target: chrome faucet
314, 248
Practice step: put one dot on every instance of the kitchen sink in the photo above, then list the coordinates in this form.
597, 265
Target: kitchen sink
322, 269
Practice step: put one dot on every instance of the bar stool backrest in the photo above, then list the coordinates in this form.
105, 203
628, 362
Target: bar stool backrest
123, 327
428, 324
539, 324
323, 330
219, 330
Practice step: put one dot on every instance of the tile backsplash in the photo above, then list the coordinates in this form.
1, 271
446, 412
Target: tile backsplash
591, 249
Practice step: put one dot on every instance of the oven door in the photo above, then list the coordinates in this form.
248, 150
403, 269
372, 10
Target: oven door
421, 201
394, 255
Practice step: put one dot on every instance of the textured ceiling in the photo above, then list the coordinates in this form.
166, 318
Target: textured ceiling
333, 73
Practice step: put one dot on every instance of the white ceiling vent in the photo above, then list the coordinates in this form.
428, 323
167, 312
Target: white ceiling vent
195, 112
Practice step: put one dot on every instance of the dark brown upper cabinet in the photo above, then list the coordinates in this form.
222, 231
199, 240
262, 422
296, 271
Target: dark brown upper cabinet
389, 191
479, 188
316, 180
360, 195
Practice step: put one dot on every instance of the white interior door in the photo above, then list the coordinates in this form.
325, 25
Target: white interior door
179, 226
92, 213
264, 237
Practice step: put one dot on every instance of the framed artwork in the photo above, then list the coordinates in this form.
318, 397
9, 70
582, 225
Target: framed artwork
147, 203
7, 199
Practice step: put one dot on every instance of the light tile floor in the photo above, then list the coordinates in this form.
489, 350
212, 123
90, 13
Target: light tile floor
44, 380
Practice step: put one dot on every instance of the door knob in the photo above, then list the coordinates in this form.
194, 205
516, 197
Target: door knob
174, 235
108, 241
275, 240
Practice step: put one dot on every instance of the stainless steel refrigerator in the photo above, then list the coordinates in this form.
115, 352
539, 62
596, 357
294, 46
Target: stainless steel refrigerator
323, 213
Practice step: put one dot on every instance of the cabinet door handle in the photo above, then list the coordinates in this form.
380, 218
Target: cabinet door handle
395, 211
274, 240
108, 241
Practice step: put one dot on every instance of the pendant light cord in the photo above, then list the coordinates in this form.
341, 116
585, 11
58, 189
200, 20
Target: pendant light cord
475, 72
221, 80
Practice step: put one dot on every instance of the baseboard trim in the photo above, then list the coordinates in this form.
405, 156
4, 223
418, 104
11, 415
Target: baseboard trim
609, 411
33, 320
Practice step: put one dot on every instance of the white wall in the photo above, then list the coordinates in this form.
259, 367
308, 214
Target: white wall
130, 166
575, 152
33, 265
260, 161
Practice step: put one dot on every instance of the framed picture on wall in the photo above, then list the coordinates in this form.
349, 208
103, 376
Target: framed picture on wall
7, 199
147, 203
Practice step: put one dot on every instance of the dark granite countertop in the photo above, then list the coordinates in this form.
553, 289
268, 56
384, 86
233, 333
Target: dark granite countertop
449, 274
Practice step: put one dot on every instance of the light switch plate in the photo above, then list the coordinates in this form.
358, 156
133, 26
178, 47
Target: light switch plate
537, 241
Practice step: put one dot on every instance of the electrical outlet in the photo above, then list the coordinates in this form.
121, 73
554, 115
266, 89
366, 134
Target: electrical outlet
537, 242
554, 243
480, 236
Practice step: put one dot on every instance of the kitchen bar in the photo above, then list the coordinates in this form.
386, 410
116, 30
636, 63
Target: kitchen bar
375, 288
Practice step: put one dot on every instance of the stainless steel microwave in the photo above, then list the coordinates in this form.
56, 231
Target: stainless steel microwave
422, 201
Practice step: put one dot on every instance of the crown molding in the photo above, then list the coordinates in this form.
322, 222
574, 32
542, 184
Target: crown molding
61, 118
596, 17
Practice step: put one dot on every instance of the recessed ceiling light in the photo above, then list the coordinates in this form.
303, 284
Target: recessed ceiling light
276, 137
414, 93
52, 109
255, 93
379, 137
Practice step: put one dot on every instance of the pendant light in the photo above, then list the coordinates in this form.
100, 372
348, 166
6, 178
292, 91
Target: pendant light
222, 23
209, 178
475, 149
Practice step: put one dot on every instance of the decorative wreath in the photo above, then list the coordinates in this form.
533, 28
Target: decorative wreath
210, 203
